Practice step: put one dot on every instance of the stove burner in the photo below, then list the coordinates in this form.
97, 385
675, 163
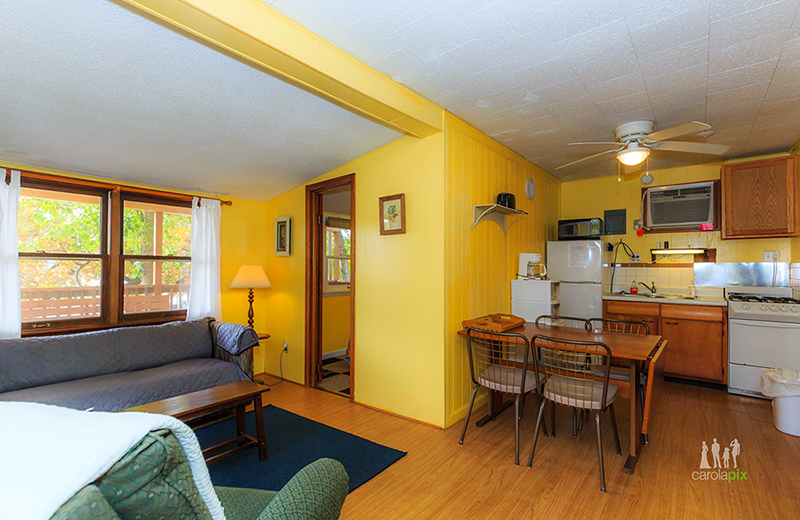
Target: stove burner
739, 297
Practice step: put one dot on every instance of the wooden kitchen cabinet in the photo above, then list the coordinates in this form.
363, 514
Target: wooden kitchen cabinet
759, 198
634, 311
697, 347
696, 335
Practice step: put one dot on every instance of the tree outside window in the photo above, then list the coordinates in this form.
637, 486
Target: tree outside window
79, 270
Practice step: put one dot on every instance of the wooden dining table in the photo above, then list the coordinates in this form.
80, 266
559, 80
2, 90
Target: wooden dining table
631, 348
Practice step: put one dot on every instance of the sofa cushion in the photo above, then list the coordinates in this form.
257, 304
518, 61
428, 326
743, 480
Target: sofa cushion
32, 362
114, 392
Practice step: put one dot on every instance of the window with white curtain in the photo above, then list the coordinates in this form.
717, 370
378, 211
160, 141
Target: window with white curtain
337, 255
91, 256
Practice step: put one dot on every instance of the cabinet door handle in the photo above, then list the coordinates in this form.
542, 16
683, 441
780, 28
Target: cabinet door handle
670, 323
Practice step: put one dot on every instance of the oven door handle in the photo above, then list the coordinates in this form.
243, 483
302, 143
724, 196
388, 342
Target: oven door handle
766, 325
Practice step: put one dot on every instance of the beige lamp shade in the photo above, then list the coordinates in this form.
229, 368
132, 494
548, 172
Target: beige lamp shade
250, 276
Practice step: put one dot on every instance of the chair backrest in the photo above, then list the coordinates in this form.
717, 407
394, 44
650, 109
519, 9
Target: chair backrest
564, 321
496, 359
623, 326
572, 369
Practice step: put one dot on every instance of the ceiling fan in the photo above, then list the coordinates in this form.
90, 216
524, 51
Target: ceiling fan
636, 139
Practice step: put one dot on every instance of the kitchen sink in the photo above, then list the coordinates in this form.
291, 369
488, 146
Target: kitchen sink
660, 296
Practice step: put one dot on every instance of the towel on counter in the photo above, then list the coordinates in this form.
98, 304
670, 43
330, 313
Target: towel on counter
235, 338
61, 450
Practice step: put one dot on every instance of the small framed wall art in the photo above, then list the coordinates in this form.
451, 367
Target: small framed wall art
283, 236
393, 214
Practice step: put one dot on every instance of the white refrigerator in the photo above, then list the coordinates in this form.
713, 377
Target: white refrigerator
578, 265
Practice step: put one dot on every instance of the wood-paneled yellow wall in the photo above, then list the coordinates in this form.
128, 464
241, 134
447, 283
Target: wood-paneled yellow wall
480, 263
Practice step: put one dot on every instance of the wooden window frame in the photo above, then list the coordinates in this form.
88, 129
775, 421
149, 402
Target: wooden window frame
152, 316
111, 254
335, 288
75, 324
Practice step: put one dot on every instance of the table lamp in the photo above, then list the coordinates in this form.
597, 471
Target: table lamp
250, 276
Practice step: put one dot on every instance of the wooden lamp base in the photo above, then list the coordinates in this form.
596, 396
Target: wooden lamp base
250, 312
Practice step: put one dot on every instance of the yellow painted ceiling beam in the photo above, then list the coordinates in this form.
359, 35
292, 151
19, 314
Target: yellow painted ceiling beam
256, 32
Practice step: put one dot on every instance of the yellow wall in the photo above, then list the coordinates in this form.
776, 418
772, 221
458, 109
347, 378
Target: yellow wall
399, 287
480, 263
243, 242
590, 197
335, 322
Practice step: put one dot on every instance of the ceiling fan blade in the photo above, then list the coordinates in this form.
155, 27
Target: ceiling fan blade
686, 128
681, 146
595, 142
589, 157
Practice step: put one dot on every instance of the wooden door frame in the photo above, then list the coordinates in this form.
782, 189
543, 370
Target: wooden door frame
314, 250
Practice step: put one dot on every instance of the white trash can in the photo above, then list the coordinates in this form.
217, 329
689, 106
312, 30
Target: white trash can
783, 386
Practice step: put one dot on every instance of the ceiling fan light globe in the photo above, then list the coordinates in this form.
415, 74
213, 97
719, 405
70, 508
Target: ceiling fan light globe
633, 157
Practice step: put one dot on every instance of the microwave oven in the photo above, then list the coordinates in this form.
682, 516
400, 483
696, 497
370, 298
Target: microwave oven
580, 229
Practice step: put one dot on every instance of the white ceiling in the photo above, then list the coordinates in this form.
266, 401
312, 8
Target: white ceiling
91, 87
537, 74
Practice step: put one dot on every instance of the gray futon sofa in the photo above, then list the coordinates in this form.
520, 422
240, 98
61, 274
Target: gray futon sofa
110, 370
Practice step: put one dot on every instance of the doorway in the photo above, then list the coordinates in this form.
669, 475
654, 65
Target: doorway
330, 287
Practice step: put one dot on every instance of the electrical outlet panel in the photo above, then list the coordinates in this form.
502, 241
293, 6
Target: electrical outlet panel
636, 258
772, 256
637, 224
286, 346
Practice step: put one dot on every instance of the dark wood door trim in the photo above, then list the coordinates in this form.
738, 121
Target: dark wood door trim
314, 253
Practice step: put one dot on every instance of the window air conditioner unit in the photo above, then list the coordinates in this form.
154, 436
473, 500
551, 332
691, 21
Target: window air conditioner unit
683, 205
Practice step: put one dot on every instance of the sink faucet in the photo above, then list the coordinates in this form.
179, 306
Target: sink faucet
651, 289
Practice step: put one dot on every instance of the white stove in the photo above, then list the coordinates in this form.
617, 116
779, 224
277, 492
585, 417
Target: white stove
763, 333
779, 306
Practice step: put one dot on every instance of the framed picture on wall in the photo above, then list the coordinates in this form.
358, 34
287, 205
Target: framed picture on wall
283, 236
393, 214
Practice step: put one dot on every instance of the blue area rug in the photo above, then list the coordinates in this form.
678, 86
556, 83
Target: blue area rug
292, 443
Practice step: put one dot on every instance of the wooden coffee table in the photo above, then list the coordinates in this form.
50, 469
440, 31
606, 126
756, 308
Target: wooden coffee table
197, 404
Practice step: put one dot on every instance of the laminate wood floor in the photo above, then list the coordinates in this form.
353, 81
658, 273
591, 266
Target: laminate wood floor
441, 479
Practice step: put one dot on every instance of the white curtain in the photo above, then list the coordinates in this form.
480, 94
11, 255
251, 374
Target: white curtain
204, 290
10, 307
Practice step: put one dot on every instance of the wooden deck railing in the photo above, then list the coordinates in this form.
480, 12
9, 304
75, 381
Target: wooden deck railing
58, 303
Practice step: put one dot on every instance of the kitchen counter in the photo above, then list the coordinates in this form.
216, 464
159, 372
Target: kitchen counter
700, 300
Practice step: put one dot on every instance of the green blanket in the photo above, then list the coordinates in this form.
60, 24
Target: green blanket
152, 478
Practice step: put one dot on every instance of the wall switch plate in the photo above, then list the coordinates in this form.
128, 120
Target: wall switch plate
772, 256
636, 258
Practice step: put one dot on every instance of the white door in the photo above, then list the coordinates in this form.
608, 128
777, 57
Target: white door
581, 300
575, 261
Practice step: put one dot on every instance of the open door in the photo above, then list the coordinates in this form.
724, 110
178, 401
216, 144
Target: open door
330, 285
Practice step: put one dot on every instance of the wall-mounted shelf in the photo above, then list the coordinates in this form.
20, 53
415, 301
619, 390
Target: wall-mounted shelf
498, 214
700, 254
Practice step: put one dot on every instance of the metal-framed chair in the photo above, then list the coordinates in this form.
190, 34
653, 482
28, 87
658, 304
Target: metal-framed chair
496, 361
564, 321
575, 323
570, 379
621, 373
623, 326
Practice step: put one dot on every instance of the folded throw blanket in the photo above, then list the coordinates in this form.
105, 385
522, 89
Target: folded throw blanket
49, 453
235, 338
